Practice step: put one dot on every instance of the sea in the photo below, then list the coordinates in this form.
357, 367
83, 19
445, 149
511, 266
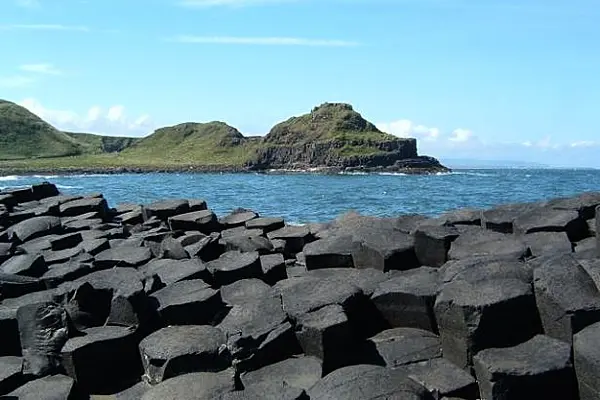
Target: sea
312, 197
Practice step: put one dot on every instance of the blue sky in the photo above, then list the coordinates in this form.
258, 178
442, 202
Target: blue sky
501, 79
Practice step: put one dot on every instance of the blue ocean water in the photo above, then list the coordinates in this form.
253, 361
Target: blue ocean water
311, 197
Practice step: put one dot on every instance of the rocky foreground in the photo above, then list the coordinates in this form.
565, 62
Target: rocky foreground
167, 301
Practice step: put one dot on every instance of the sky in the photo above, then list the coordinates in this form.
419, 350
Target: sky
478, 79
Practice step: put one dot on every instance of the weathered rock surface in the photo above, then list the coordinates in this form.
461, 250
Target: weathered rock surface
170, 301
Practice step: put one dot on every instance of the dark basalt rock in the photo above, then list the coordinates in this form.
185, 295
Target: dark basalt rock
295, 238
198, 385
55, 387
178, 350
84, 206
540, 368
331, 252
266, 224
367, 382
191, 302
501, 219
401, 346
478, 243
204, 221
475, 269
442, 378
543, 243
552, 220
124, 256
273, 268
11, 374
134, 392
366, 279
165, 209
566, 297
12, 285
597, 230
207, 249
248, 243
25, 264
485, 314
43, 329
237, 218
432, 243
585, 204
68, 271
34, 227
233, 266
244, 291
104, 360
172, 249
297, 372
267, 391
407, 299
587, 361
172, 271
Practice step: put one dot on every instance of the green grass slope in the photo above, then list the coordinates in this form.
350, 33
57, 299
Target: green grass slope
213, 143
97, 144
25, 135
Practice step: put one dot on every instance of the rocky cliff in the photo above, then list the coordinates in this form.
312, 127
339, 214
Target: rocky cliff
334, 136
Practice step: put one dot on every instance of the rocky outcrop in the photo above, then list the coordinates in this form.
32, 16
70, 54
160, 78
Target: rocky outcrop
179, 303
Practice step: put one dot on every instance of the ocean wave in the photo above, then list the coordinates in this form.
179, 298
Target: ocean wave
391, 174
45, 176
69, 187
463, 173
353, 173
10, 178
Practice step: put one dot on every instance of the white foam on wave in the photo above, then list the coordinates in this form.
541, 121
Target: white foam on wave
392, 174
45, 176
353, 173
10, 178
468, 173
69, 187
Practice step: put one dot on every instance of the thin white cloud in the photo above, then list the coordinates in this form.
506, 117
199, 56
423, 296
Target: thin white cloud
46, 27
16, 81
42, 68
109, 121
407, 128
461, 135
262, 41
585, 143
229, 3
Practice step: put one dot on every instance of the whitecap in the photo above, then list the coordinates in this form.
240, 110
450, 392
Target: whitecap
392, 174
45, 176
9, 178
68, 187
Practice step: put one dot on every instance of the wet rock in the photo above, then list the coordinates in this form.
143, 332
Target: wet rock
407, 299
400, 346
273, 268
432, 243
566, 296
204, 221
83, 206
540, 368
55, 387
295, 238
237, 218
34, 227
551, 220
266, 224
441, 378
178, 350
485, 314
43, 329
587, 361
11, 375
331, 252
297, 372
367, 382
104, 360
25, 264
165, 209
171, 271
190, 302
234, 265
198, 385
477, 243
125, 256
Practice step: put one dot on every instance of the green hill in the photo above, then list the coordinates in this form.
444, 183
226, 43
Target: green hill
25, 135
212, 143
97, 144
